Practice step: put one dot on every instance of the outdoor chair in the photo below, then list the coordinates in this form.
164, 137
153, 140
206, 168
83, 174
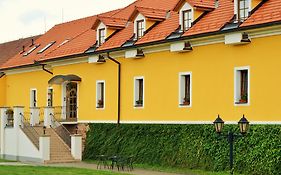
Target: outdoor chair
102, 161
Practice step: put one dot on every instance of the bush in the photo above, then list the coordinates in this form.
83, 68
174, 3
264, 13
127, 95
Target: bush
190, 146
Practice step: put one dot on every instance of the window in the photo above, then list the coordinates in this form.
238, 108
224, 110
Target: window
186, 19
33, 98
101, 36
100, 95
31, 50
50, 97
64, 42
242, 86
46, 47
243, 9
140, 28
185, 89
139, 92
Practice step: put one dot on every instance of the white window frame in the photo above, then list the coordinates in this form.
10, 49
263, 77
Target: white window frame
97, 94
101, 26
139, 18
237, 86
236, 8
31, 98
136, 92
185, 7
47, 104
181, 89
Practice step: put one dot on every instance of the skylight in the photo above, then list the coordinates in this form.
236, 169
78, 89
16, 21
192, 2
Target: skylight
46, 47
65, 41
31, 50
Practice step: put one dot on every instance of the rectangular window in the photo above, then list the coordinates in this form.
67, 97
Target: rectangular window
33, 98
140, 28
186, 20
242, 86
101, 36
50, 97
100, 95
243, 9
185, 89
139, 92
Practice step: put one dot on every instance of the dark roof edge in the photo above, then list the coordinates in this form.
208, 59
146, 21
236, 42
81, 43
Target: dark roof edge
150, 43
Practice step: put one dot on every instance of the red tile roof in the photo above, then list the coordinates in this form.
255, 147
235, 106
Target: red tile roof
214, 20
149, 13
162, 30
205, 4
10, 49
110, 22
270, 11
81, 36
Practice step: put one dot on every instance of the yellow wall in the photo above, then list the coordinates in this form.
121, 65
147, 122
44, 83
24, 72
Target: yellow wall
2, 91
109, 32
212, 68
255, 3
197, 13
149, 23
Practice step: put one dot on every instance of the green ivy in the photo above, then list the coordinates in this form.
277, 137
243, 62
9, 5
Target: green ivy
189, 146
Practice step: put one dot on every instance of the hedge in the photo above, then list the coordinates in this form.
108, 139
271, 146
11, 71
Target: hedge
189, 146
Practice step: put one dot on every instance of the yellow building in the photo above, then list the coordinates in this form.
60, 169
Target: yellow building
181, 62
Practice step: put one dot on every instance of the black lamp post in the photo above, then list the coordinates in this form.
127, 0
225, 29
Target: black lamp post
243, 126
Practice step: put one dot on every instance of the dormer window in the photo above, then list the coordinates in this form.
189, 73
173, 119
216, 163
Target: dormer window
243, 9
101, 36
140, 28
186, 19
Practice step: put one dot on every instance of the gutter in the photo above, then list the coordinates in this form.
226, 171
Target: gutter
152, 43
119, 87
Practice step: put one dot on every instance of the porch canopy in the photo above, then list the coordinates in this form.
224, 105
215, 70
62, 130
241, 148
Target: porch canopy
59, 79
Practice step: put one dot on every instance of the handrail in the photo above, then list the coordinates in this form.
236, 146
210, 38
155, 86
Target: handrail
30, 132
64, 134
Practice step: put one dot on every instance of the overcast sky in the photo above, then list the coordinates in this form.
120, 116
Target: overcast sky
24, 18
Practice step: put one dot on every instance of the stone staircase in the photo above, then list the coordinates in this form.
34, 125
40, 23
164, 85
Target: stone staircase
60, 152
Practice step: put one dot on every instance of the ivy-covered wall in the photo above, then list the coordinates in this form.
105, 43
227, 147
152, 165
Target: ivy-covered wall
192, 146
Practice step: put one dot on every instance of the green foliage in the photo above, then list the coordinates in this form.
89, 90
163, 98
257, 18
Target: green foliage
189, 146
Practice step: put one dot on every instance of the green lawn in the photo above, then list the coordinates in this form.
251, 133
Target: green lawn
179, 170
38, 170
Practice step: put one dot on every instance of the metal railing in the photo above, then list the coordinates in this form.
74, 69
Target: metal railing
63, 115
64, 134
30, 132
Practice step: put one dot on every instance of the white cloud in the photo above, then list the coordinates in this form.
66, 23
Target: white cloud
22, 18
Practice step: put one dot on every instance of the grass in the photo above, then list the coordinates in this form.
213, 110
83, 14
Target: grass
178, 170
3, 160
39, 170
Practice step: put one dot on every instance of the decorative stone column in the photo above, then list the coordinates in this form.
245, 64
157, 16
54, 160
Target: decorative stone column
34, 115
44, 147
3, 116
76, 146
48, 114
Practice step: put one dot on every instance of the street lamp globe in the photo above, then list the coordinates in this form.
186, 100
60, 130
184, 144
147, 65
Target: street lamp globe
243, 125
218, 124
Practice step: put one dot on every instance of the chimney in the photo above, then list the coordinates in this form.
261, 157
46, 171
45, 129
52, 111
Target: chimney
32, 42
23, 50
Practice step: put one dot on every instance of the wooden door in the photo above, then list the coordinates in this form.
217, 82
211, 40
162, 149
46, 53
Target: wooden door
71, 101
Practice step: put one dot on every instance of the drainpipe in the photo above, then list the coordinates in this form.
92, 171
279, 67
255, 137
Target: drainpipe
2, 74
43, 67
119, 85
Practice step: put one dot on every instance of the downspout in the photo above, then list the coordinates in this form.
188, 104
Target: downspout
2, 74
119, 86
46, 70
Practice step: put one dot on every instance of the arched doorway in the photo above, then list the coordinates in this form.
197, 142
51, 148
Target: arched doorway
71, 101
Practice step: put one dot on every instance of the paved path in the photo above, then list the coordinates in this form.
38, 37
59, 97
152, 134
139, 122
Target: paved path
136, 171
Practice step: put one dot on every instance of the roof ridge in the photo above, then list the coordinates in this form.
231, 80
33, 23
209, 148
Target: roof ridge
109, 17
